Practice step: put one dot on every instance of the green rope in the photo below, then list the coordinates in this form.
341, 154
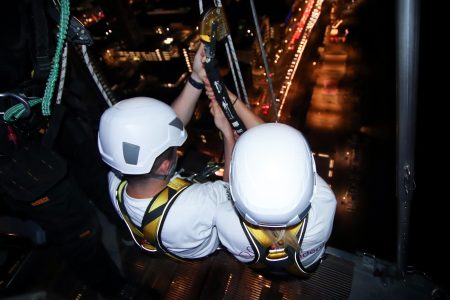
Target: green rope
17, 110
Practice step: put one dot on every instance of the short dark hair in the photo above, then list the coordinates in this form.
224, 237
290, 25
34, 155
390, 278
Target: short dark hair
168, 154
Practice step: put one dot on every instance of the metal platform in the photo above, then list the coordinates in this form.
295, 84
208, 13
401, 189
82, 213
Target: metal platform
41, 274
222, 277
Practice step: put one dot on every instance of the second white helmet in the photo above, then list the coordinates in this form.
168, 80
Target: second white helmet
135, 131
272, 175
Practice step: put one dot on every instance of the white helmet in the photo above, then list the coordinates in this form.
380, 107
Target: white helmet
272, 175
135, 131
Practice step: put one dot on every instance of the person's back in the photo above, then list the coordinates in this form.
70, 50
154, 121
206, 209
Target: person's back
138, 138
283, 212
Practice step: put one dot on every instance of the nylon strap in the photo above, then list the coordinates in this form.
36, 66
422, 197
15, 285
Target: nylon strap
148, 235
269, 256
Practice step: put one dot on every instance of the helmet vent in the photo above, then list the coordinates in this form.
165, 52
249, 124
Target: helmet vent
130, 153
177, 123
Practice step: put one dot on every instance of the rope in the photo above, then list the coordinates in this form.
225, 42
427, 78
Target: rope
109, 99
236, 65
200, 6
232, 58
62, 75
17, 110
230, 62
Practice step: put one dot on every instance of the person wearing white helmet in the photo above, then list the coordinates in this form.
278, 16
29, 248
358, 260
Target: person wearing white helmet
280, 211
165, 213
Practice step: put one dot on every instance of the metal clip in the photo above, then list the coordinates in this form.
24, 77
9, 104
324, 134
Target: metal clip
76, 33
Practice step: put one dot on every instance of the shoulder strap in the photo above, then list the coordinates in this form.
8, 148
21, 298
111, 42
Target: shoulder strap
148, 235
41, 46
136, 232
156, 213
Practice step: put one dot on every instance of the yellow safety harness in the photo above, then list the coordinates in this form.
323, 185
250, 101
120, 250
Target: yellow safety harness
148, 235
276, 258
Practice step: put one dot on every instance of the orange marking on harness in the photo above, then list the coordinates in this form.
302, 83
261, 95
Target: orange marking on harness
85, 233
40, 201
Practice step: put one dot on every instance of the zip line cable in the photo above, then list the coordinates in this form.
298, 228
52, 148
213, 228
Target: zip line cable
235, 68
264, 57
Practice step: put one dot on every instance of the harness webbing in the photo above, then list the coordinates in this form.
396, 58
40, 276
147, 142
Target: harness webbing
148, 235
276, 257
15, 112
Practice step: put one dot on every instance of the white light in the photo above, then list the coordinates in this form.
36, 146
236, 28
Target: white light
168, 41
219, 172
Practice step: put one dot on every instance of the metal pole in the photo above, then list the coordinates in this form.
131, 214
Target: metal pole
407, 69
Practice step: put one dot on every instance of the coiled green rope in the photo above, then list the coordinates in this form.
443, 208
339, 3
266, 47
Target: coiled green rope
17, 110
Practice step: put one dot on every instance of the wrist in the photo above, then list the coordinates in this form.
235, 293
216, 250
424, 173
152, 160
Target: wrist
235, 100
227, 134
195, 82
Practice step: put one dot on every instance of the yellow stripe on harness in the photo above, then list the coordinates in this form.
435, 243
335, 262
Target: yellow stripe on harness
152, 229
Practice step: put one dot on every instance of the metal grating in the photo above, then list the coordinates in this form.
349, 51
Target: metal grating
222, 277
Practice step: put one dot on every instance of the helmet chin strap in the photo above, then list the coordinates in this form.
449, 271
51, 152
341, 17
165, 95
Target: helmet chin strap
169, 175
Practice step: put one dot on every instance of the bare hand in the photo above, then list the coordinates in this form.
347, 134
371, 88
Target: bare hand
198, 68
220, 120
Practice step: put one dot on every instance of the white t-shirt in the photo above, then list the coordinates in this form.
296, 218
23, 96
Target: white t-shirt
189, 228
205, 213
318, 230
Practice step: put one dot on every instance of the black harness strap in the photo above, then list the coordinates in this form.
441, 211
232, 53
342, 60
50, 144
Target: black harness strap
275, 260
148, 235
40, 44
